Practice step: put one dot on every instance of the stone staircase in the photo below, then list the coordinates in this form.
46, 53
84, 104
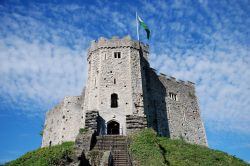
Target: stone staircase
117, 145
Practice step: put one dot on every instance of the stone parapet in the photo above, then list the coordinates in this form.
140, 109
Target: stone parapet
116, 42
170, 78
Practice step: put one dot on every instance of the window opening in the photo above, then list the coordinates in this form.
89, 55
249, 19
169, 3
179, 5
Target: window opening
173, 96
114, 100
117, 54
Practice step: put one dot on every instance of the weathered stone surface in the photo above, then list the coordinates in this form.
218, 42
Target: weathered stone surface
91, 119
83, 144
60, 123
135, 123
144, 98
183, 114
105, 158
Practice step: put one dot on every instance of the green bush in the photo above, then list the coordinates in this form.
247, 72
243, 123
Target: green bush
83, 130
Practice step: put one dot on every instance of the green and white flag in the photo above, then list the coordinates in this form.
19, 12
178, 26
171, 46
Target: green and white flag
143, 25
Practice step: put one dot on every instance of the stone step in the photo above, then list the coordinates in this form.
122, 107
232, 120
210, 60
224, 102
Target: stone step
124, 154
120, 155
112, 136
111, 139
109, 146
112, 142
121, 164
119, 148
119, 159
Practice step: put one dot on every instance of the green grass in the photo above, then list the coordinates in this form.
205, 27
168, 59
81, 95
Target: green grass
55, 155
147, 149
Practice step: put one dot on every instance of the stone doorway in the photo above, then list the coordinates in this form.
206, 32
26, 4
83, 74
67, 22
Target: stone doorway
113, 128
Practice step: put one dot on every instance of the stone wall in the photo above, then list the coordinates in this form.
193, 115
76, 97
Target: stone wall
170, 106
52, 126
62, 123
91, 120
109, 75
155, 92
183, 111
135, 123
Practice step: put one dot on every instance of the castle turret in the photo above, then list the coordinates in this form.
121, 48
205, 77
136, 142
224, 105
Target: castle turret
124, 94
114, 87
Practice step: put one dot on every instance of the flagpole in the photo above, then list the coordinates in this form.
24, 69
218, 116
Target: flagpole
137, 27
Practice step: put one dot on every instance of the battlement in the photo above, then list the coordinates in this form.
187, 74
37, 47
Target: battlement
173, 79
115, 42
125, 94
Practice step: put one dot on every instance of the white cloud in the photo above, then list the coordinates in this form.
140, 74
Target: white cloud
43, 58
39, 72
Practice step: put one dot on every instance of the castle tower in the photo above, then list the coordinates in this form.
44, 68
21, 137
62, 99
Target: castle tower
114, 88
124, 94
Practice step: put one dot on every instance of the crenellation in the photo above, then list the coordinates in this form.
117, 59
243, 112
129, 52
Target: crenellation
190, 83
184, 112
116, 42
181, 81
171, 78
124, 94
162, 74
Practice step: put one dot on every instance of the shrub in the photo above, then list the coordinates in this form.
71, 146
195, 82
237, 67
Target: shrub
83, 130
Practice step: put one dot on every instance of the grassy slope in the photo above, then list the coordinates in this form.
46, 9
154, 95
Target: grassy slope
54, 155
149, 149
146, 148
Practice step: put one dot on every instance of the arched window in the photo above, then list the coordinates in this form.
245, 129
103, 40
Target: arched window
114, 100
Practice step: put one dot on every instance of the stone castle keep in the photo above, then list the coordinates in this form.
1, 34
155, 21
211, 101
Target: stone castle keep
124, 94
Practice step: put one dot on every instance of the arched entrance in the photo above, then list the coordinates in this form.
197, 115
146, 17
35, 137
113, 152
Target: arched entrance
113, 128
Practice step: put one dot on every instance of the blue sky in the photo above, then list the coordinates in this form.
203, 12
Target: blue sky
43, 49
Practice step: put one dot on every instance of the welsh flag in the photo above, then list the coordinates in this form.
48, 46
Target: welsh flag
144, 26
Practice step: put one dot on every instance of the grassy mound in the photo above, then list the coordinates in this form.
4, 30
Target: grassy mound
146, 148
149, 149
55, 155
